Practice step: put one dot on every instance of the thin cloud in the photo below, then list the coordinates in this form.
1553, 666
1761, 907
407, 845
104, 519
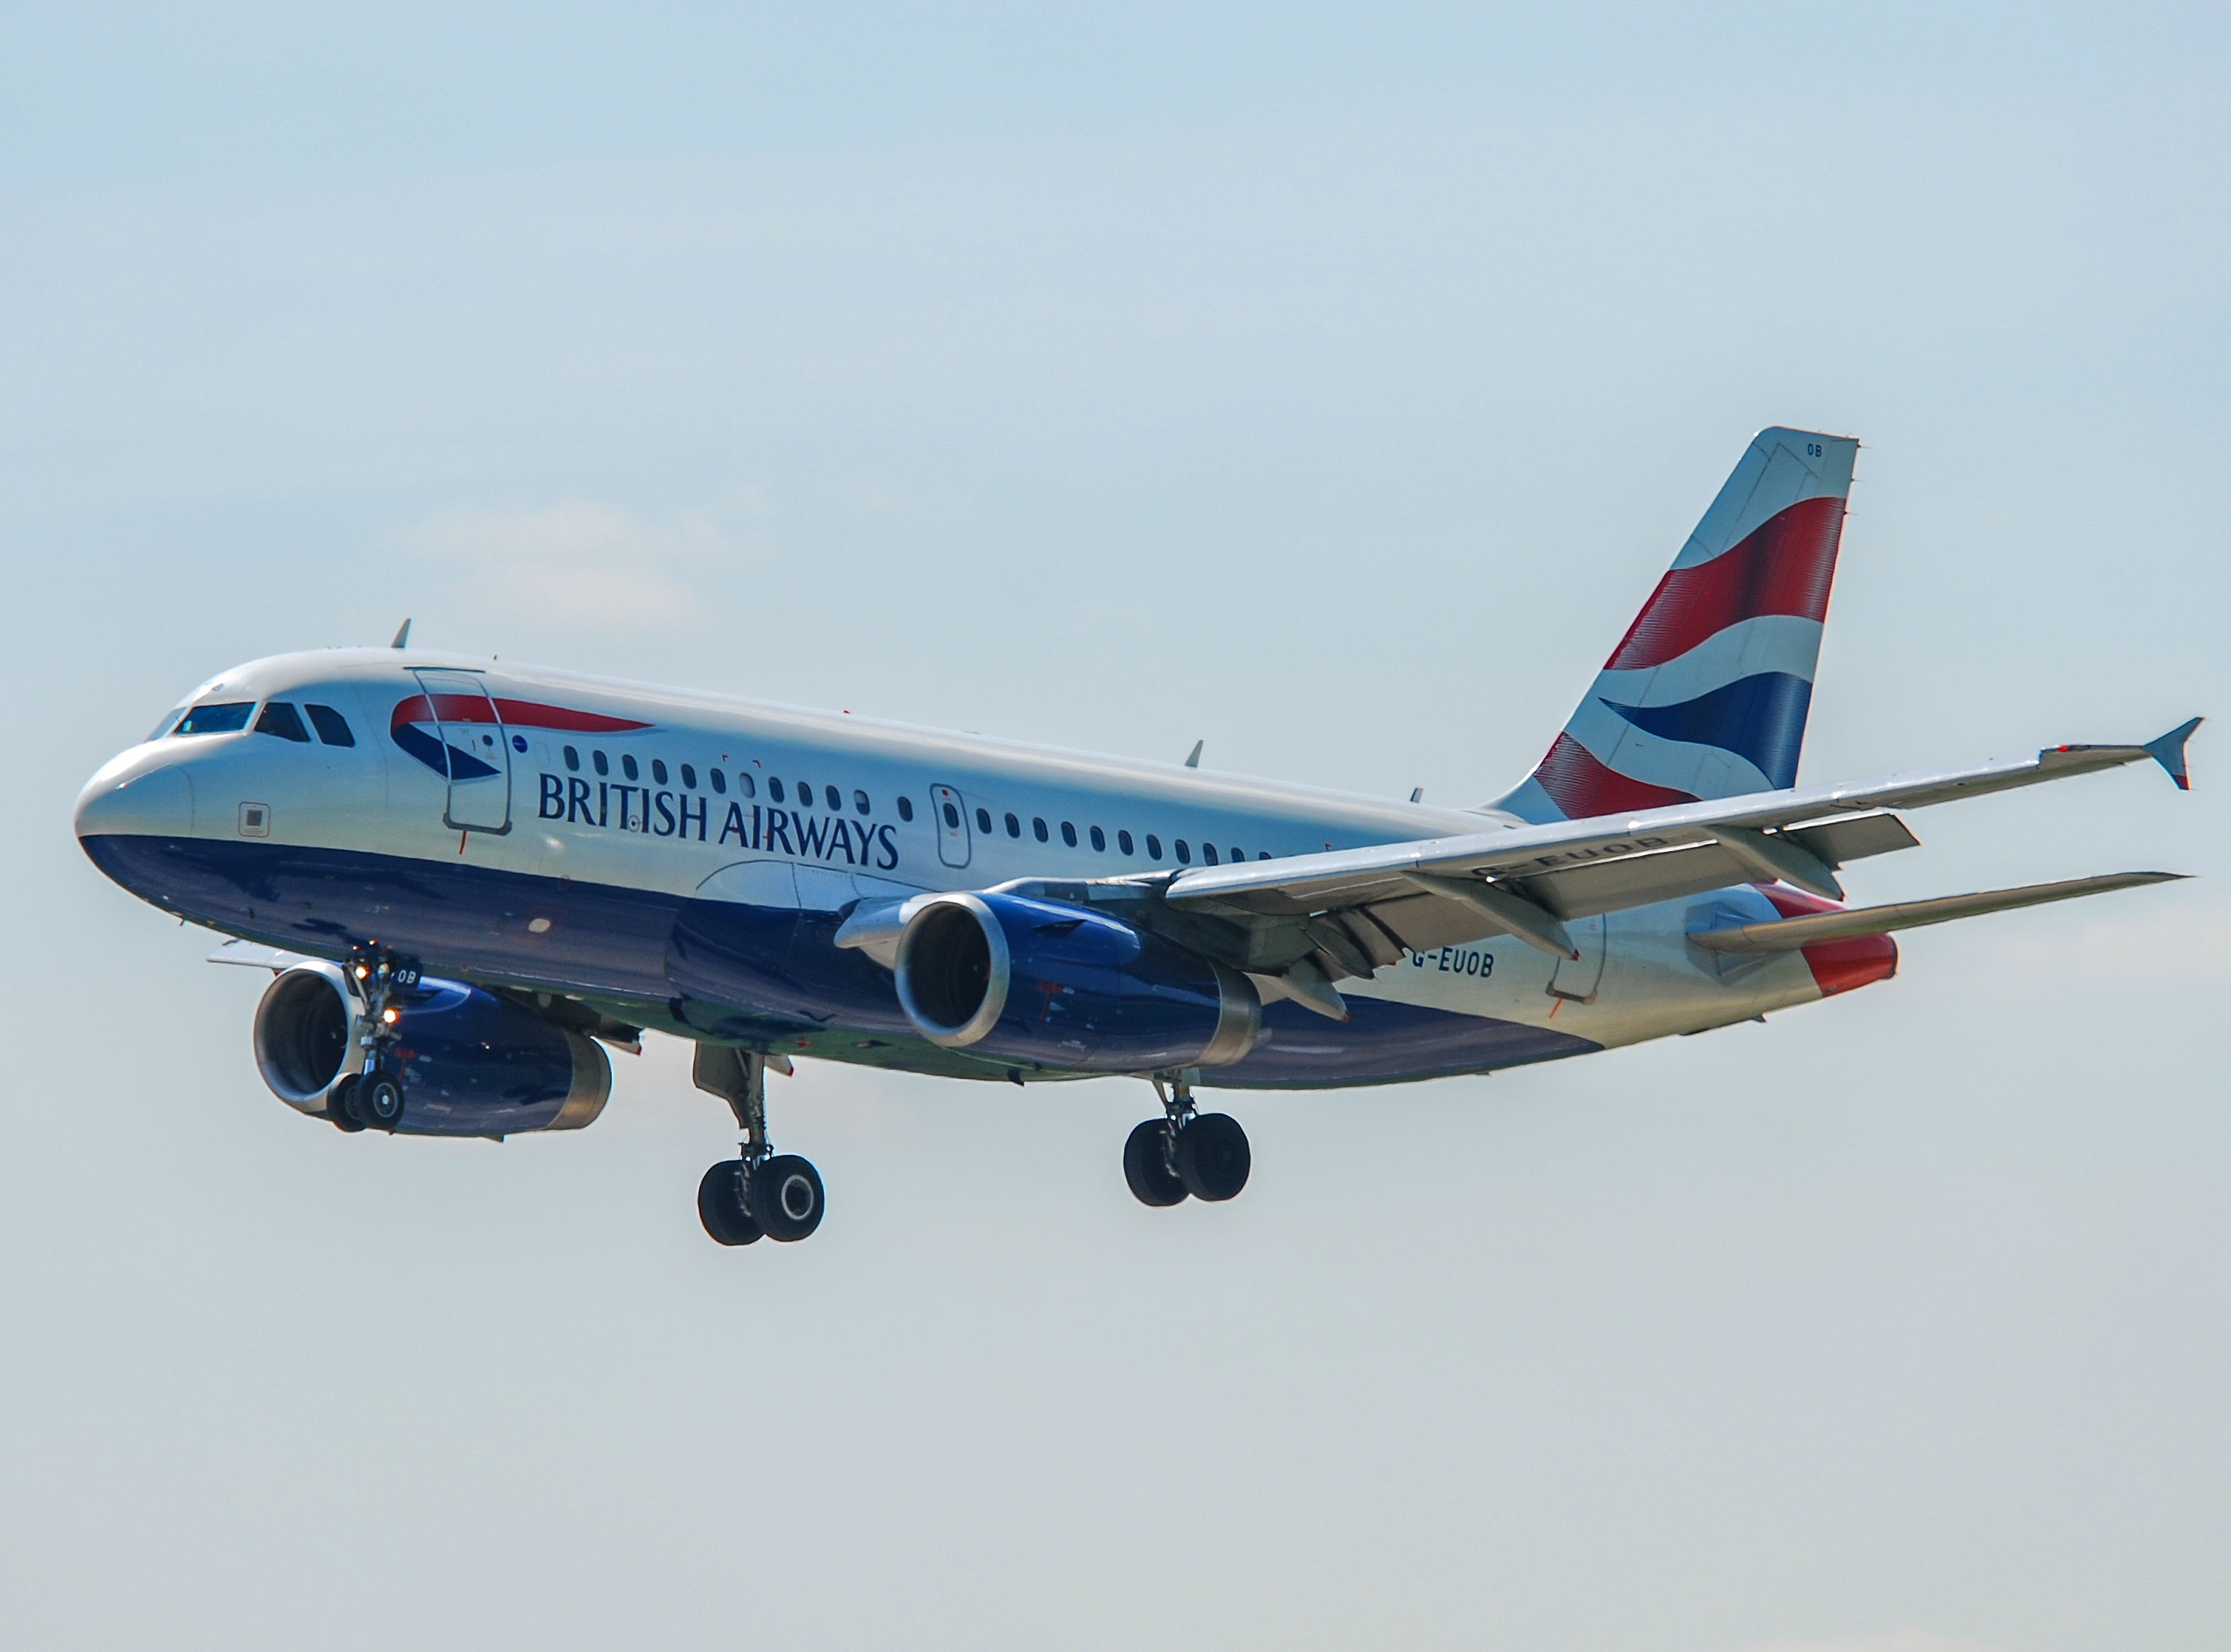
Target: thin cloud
572, 564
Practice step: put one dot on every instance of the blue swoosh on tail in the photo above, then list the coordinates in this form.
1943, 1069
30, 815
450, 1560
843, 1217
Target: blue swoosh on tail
1760, 718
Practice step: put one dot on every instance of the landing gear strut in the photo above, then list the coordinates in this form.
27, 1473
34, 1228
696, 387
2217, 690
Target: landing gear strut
761, 1193
1184, 1152
374, 1094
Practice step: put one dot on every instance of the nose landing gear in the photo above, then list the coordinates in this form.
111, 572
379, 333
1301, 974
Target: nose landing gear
373, 1096
761, 1193
1184, 1153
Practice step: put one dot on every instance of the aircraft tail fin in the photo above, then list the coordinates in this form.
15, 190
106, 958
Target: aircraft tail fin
1706, 695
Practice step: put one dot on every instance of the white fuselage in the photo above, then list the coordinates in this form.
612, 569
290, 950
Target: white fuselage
609, 803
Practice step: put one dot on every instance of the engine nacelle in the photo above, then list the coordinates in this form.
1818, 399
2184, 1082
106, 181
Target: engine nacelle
470, 1063
1012, 978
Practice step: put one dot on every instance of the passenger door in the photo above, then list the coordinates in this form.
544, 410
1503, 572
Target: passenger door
478, 748
953, 845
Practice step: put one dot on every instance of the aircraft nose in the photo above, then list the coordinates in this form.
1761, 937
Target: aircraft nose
157, 802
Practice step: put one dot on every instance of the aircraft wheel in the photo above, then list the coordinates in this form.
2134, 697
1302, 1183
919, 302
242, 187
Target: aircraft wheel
1146, 1168
1212, 1157
341, 1108
378, 1101
721, 1205
785, 1198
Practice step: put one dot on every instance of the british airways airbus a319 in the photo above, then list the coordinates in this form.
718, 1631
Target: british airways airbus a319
469, 876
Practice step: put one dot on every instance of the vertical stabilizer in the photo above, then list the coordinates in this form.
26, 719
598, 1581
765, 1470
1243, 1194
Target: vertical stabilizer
1706, 694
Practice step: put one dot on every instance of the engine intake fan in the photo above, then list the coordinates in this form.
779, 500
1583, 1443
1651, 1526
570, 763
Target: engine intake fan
470, 1063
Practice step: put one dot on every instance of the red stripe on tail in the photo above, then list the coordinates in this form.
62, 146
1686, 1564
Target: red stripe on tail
1582, 787
1784, 566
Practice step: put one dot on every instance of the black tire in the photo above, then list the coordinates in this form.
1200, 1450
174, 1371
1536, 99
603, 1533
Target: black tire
340, 1106
1212, 1157
380, 1101
1146, 1166
785, 1198
721, 1205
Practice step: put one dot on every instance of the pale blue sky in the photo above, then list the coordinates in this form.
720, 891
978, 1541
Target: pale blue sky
1333, 387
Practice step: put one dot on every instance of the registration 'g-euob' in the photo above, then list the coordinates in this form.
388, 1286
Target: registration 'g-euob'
470, 877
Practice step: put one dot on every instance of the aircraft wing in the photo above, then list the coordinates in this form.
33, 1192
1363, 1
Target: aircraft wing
1364, 905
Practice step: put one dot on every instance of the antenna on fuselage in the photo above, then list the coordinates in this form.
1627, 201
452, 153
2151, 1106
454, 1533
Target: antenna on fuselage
1193, 762
402, 636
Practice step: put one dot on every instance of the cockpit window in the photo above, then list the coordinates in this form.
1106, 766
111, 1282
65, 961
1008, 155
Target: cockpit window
281, 718
333, 727
228, 719
168, 717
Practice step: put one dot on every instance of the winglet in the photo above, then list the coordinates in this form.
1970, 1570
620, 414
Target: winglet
1193, 762
2169, 751
402, 636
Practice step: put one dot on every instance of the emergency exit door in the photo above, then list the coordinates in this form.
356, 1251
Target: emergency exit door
953, 843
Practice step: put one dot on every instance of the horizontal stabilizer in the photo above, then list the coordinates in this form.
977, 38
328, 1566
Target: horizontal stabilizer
1788, 933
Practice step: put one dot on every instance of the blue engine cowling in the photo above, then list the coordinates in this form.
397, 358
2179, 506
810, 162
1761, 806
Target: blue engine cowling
1016, 979
471, 1064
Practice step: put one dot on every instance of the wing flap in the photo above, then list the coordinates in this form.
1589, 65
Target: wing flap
1855, 837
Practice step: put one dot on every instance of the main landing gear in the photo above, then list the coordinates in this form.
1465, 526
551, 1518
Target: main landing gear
374, 1096
1201, 1154
762, 1194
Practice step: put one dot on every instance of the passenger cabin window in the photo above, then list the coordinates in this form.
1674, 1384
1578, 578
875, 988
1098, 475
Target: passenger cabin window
1185, 854
1123, 842
906, 809
228, 719
1154, 847
834, 798
627, 768
745, 784
1038, 826
774, 788
860, 803
805, 793
1069, 834
1014, 827
983, 820
1262, 855
658, 771
1238, 854
1099, 839
1207, 852
281, 718
952, 817
597, 758
333, 727
572, 760
689, 776
719, 781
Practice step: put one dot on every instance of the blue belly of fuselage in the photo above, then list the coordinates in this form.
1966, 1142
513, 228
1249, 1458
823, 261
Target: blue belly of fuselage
772, 977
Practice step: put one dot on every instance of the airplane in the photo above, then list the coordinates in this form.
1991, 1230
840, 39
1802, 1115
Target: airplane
469, 877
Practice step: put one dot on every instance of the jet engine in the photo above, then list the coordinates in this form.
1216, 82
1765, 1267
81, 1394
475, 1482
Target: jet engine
470, 1063
1013, 978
